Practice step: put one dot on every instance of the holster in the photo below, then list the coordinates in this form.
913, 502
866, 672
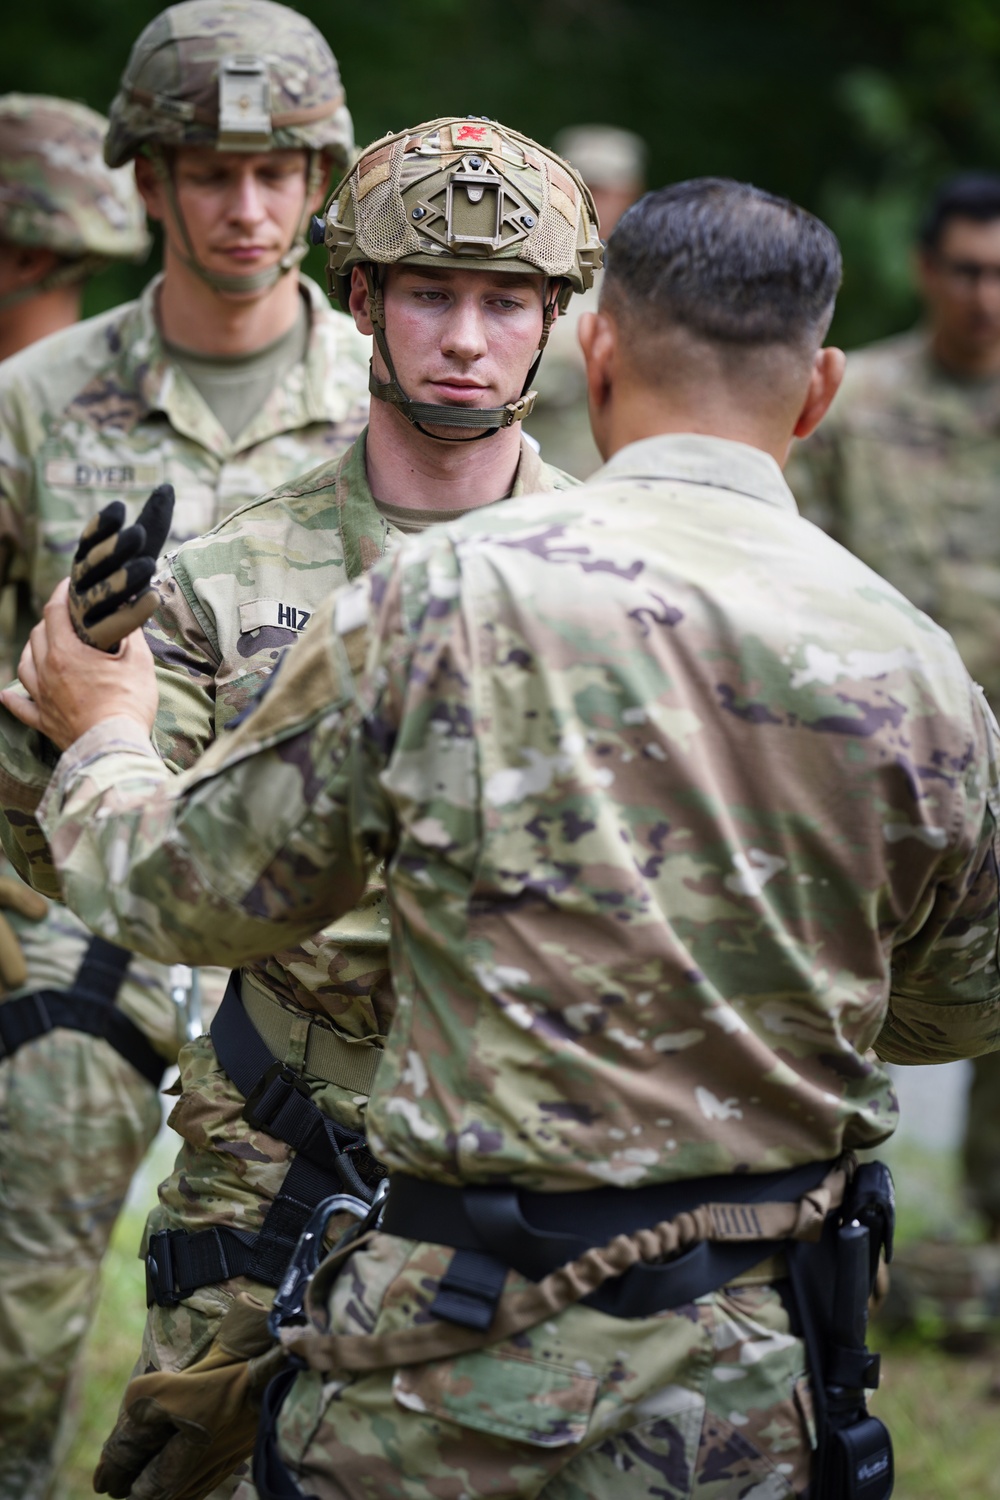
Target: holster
832, 1283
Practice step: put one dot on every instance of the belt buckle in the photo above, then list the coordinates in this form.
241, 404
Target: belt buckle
258, 1111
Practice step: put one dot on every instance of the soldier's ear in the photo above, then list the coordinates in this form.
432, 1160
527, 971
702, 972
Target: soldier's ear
824, 383
358, 302
598, 335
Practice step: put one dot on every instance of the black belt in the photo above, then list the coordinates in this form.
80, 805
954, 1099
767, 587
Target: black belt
493, 1229
328, 1159
89, 1006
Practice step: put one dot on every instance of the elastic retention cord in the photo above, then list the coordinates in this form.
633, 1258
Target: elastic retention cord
488, 418
219, 281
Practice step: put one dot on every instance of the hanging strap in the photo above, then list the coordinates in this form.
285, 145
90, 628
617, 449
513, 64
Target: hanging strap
88, 1006
530, 1305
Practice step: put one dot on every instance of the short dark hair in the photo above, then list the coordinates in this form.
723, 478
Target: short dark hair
727, 261
970, 195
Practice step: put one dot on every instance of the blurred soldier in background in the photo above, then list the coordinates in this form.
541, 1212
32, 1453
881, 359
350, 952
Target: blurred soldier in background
612, 163
905, 472
64, 214
229, 376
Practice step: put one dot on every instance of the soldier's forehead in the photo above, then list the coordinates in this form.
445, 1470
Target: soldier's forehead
237, 160
464, 275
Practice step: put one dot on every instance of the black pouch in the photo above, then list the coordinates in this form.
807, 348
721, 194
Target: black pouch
858, 1462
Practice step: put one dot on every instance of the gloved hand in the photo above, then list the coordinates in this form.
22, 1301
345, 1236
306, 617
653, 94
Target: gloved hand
16, 896
182, 1432
109, 593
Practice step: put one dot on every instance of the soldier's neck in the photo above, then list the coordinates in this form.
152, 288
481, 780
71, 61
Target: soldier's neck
408, 469
197, 317
27, 322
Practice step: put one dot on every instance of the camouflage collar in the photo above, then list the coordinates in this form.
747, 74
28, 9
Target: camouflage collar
529, 477
308, 394
696, 459
364, 529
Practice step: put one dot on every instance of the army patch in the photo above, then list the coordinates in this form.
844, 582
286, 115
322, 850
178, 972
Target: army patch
284, 613
72, 473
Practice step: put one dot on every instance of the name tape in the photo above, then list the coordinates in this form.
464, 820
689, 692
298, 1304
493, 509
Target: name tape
72, 473
283, 613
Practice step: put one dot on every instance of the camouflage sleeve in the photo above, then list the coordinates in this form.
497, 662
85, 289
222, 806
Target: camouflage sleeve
273, 832
944, 1003
187, 662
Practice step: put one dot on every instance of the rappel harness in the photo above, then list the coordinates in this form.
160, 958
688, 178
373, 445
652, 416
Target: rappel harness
329, 1159
89, 1006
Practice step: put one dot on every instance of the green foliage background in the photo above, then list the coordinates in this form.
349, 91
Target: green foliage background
856, 109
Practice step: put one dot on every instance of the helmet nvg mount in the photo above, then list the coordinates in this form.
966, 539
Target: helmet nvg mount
233, 75
57, 193
466, 192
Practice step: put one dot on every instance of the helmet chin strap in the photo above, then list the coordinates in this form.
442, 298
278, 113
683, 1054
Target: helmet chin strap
485, 420
221, 281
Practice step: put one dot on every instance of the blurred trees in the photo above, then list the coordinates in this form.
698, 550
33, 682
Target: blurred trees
856, 110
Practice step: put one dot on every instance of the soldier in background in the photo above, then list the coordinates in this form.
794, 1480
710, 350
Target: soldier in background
612, 162
230, 375
64, 214
906, 473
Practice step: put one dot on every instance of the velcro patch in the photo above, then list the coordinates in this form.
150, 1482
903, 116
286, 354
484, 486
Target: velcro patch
282, 612
76, 474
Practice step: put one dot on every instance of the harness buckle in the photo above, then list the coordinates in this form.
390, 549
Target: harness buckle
268, 1095
161, 1284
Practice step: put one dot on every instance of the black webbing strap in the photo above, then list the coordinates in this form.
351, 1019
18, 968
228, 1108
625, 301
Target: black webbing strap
327, 1159
273, 1480
492, 1229
89, 1006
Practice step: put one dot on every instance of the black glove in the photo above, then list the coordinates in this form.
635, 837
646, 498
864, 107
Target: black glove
109, 593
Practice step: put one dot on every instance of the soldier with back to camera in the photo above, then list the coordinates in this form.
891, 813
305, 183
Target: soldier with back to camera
664, 864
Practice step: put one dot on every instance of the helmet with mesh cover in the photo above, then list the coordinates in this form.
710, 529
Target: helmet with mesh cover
233, 75
57, 192
461, 192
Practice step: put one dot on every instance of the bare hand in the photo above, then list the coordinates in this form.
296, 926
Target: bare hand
72, 687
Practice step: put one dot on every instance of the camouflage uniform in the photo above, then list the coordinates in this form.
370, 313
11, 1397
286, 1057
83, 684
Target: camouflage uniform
905, 471
664, 863
98, 413
56, 191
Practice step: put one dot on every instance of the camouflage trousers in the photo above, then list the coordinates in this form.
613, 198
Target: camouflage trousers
709, 1401
226, 1173
75, 1121
981, 1144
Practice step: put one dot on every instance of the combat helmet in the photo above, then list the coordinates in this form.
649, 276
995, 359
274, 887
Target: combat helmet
236, 75
56, 192
469, 191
